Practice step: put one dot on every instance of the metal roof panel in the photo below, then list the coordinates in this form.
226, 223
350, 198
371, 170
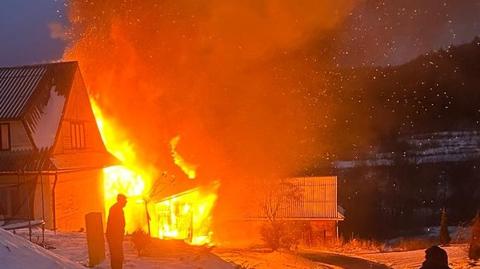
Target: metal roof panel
17, 84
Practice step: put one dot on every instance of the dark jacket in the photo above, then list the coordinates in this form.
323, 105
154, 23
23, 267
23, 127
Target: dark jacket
435, 258
430, 265
115, 224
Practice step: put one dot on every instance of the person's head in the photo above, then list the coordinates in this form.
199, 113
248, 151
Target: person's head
122, 199
436, 255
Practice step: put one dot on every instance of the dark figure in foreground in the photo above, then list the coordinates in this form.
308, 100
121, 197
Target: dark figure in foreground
435, 258
116, 231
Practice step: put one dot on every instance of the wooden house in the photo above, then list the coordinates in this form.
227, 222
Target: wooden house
51, 151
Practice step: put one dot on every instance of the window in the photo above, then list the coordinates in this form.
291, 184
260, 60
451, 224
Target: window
5, 136
77, 130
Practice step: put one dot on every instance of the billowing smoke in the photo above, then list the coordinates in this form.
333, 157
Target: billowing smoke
213, 72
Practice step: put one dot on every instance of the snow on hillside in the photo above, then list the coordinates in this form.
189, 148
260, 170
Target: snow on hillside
445, 146
19, 253
426, 148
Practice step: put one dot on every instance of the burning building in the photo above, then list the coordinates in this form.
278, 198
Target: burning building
51, 155
200, 93
54, 142
54, 167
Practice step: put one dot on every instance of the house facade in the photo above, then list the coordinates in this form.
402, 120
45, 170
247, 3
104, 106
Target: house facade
51, 151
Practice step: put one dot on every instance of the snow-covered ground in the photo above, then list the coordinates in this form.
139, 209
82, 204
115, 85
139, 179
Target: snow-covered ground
19, 253
457, 257
69, 250
266, 260
73, 246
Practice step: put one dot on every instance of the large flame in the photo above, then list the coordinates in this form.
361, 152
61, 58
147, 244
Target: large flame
182, 216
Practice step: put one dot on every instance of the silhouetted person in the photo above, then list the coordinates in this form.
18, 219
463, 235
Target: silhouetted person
435, 258
116, 231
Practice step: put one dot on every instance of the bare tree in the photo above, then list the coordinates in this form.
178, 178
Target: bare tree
277, 198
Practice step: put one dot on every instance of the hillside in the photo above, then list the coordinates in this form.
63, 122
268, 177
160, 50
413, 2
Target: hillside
372, 107
404, 142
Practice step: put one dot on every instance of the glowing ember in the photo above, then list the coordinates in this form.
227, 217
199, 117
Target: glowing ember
189, 169
184, 216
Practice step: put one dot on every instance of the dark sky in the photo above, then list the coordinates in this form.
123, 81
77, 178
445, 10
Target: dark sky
378, 32
25, 34
381, 32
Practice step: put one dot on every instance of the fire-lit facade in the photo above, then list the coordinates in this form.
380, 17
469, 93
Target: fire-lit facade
52, 154
312, 202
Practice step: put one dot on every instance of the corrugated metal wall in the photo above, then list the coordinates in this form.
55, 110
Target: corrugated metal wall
317, 198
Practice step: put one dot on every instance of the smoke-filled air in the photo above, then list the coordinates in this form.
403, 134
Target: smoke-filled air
204, 90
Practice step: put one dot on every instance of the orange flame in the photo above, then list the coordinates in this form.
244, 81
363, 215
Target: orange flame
130, 178
187, 215
184, 216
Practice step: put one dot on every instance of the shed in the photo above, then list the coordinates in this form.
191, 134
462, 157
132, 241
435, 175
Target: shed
312, 201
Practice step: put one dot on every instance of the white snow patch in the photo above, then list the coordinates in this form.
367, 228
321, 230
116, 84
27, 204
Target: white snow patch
46, 128
19, 253
73, 245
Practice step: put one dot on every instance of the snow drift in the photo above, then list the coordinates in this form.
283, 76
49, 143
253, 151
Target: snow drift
17, 252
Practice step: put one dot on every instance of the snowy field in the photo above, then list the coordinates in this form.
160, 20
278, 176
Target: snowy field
258, 260
72, 249
69, 250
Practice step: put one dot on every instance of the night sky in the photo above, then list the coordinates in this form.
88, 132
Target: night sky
378, 32
25, 35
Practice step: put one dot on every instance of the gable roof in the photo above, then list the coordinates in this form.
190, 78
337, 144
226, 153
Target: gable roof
17, 85
37, 95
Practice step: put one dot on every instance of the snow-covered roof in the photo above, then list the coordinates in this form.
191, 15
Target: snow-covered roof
37, 95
